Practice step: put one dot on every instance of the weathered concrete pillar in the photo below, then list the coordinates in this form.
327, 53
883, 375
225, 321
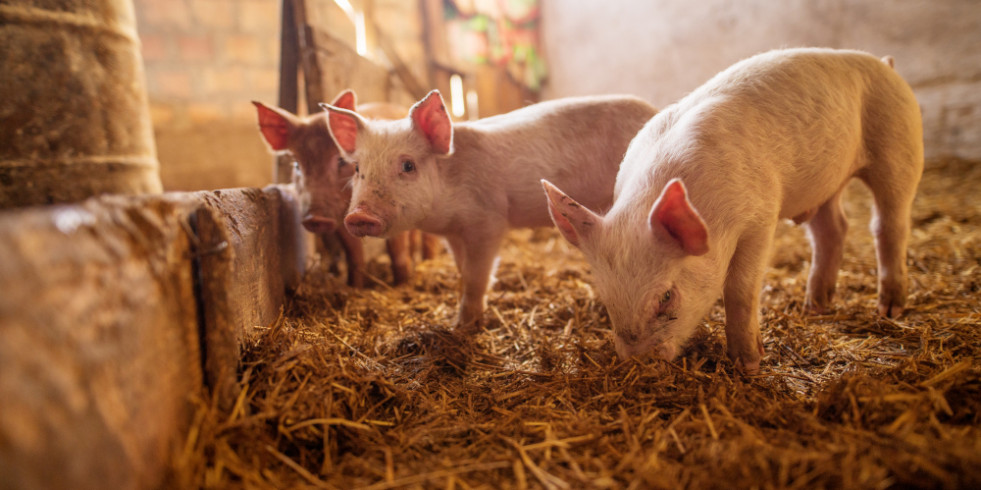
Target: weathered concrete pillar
74, 117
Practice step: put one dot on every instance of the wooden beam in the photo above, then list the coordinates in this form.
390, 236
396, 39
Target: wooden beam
115, 311
288, 82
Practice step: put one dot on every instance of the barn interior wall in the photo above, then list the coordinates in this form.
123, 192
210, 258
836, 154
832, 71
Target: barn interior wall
206, 60
663, 49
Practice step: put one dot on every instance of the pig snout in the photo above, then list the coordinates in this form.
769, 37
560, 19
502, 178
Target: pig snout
319, 224
361, 222
630, 346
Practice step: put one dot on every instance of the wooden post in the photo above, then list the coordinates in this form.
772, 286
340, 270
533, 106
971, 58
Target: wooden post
288, 82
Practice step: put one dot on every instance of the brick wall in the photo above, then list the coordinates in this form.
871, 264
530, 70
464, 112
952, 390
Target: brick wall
206, 60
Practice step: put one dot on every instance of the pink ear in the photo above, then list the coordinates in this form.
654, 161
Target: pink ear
346, 100
571, 218
429, 116
674, 214
275, 126
343, 126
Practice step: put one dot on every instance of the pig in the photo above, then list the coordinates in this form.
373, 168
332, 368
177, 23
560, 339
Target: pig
702, 187
323, 183
470, 182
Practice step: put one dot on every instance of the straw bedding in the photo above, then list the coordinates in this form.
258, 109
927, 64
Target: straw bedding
372, 388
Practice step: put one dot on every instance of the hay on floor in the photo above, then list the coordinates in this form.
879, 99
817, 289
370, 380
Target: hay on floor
371, 388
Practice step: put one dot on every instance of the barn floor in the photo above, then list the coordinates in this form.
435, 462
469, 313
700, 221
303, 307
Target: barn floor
371, 388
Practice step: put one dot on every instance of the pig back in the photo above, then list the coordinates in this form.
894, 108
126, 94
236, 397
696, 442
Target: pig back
575, 143
789, 125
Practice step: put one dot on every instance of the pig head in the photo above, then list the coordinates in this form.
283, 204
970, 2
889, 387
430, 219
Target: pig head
397, 173
323, 177
657, 281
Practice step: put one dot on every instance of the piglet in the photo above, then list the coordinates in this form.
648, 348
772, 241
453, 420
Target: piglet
703, 185
323, 182
472, 181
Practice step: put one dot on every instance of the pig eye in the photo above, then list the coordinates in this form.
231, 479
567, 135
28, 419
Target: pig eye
408, 166
666, 297
341, 163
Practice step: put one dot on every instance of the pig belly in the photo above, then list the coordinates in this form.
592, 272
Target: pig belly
810, 182
805, 216
529, 208
528, 212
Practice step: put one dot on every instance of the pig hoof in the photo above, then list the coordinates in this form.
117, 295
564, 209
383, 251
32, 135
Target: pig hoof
468, 328
818, 299
814, 308
355, 281
749, 367
890, 310
747, 364
401, 273
469, 323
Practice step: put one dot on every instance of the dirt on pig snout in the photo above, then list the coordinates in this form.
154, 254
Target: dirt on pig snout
372, 388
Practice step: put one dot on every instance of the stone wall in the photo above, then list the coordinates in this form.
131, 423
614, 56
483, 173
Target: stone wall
662, 49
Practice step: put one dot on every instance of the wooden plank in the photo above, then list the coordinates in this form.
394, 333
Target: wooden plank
252, 250
289, 66
289, 61
330, 65
98, 343
104, 310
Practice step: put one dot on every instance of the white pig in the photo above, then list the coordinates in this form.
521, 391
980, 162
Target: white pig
704, 183
472, 181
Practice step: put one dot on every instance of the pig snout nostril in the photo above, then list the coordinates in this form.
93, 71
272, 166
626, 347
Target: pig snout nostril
360, 223
318, 224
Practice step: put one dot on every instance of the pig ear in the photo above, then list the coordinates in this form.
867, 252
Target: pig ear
346, 100
276, 125
343, 125
571, 218
674, 214
429, 116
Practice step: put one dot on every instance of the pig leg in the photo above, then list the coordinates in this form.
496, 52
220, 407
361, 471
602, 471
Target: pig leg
826, 230
741, 295
399, 250
354, 251
413, 243
892, 176
890, 227
475, 256
430, 246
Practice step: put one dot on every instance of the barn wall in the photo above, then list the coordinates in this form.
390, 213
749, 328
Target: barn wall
662, 49
205, 60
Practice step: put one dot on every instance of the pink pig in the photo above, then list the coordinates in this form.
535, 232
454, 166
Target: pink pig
323, 182
703, 185
472, 181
